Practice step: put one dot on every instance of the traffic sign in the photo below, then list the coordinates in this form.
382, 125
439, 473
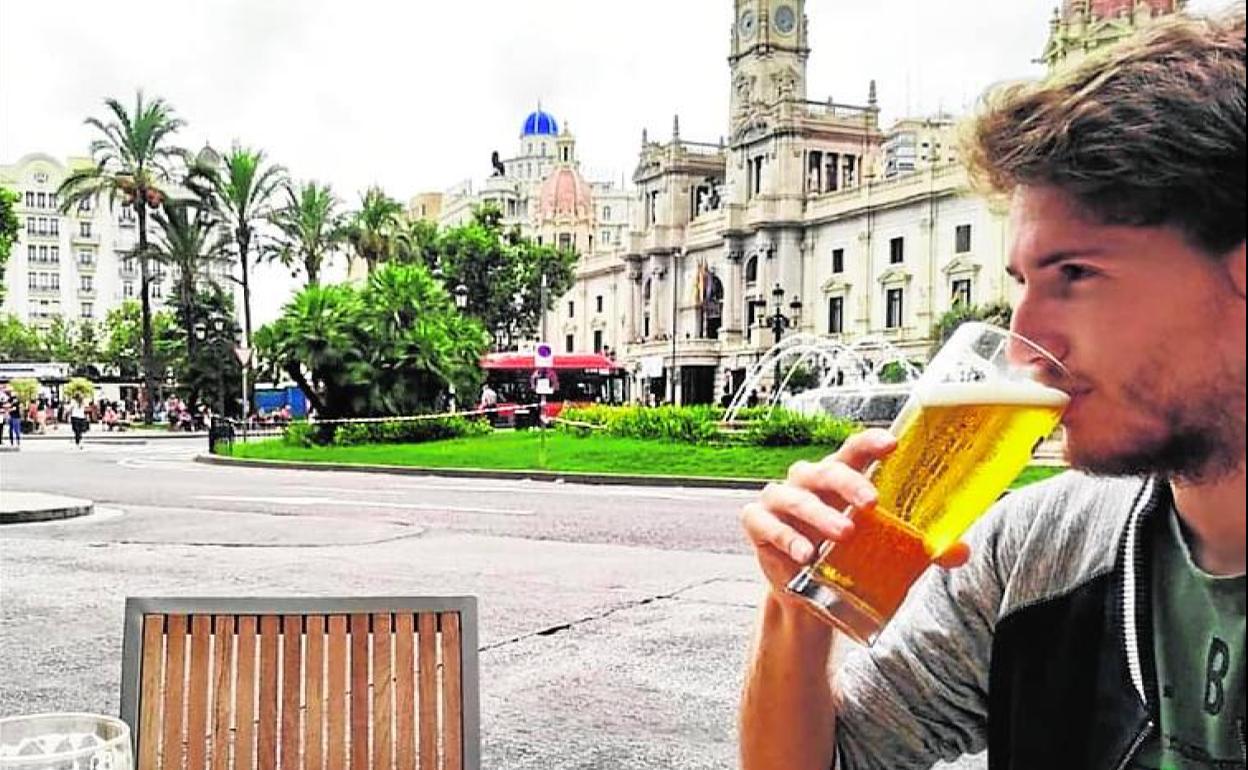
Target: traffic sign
543, 356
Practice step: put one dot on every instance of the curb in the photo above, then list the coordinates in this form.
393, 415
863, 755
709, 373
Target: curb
599, 479
116, 436
53, 513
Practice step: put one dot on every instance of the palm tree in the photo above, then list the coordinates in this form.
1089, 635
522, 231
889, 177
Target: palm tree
189, 244
130, 165
244, 190
374, 227
310, 228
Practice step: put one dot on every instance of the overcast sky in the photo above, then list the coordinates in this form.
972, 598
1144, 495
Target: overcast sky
415, 95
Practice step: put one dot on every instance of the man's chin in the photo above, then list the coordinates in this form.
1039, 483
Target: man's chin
1189, 456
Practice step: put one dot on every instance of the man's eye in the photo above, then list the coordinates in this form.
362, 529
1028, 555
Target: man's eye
1072, 273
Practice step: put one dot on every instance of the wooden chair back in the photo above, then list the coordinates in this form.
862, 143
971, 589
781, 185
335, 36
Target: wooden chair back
302, 684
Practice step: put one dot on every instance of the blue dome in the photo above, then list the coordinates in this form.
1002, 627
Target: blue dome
540, 124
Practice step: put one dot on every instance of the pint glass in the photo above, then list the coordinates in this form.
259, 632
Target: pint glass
971, 423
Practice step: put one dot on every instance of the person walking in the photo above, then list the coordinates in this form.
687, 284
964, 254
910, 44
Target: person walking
78, 420
15, 419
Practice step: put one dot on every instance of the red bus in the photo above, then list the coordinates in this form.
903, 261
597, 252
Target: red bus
577, 378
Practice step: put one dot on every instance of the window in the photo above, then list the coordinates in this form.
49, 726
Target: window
896, 251
598, 304
598, 340
569, 343
606, 213
43, 253
605, 237
30, 225
838, 261
645, 326
157, 290
56, 253
652, 206
32, 281
571, 310
646, 290
88, 310
962, 239
84, 229
86, 258
84, 204
751, 270
894, 309
962, 292
836, 315
565, 241
86, 283
43, 201
127, 289
32, 253
54, 226
30, 199
127, 265
52, 200
754, 168
43, 225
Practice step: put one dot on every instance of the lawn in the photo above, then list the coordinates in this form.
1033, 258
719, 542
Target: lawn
522, 450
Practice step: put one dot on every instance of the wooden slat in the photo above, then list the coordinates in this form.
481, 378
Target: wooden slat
428, 640
452, 693
245, 696
337, 710
314, 693
198, 706
223, 690
359, 692
292, 686
404, 695
266, 733
383, 732
172, 747
151, 693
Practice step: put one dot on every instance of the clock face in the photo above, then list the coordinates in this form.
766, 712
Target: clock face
786, 20
747, 24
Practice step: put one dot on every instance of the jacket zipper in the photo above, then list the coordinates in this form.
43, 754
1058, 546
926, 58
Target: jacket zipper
1243, 744
1134, 562
1136, 744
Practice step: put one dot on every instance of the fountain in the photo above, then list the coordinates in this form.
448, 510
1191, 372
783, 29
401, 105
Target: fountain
849, 379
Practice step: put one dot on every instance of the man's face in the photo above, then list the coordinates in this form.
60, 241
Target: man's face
1151, 329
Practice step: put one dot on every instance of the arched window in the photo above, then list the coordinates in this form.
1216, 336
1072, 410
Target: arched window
645, 291
751, 270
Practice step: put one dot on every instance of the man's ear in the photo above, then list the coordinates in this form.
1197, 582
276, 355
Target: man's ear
1235, 269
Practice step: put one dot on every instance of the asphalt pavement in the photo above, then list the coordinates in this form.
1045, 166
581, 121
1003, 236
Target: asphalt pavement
614, 621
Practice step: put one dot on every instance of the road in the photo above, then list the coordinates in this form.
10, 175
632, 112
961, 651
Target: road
614, 621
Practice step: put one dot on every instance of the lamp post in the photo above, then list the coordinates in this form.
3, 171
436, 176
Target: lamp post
216, 343
461, 296
778, 321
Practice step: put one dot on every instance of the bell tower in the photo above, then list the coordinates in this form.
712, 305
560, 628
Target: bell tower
768, 55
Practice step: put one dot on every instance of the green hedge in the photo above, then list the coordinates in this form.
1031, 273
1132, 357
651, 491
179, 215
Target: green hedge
396, 432
703, 425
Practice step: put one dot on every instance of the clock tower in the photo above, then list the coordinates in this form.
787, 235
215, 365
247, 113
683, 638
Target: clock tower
768, 55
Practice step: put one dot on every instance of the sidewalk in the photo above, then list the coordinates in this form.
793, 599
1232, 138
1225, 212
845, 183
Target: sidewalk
25, 507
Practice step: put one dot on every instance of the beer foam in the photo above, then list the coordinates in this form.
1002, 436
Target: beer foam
1002, 392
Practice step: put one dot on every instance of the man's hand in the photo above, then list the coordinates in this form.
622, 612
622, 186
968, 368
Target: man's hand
789, 520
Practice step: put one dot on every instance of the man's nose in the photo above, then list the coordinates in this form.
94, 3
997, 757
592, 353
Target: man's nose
1039, 326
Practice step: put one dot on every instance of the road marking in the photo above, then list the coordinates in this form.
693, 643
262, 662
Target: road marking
686, 494
366, 504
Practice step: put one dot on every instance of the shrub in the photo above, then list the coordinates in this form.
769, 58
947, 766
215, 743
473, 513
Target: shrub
80, 387
785, 428
407, 431
299, 434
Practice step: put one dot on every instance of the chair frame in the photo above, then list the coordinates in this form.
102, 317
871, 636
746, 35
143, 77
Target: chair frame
465, 606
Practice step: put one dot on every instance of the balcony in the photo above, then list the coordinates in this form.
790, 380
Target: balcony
91, 238
45, 291
87, 265
128, 271
85, 293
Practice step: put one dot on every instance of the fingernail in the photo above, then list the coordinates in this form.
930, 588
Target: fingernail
801, 551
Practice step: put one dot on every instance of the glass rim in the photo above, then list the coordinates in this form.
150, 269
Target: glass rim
106, 743
1010, 333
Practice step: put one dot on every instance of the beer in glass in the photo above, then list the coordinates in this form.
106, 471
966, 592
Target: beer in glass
970, 424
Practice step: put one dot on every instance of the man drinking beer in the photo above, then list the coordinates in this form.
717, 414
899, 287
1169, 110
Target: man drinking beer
1096, 620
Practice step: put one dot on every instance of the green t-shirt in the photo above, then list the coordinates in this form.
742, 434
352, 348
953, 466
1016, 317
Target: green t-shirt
1198, 641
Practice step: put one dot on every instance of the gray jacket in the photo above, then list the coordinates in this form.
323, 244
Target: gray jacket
1039, 649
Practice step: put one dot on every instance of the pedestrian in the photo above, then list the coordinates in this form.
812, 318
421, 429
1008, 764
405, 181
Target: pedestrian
15, 419
78, 421
752, 399
1095, 620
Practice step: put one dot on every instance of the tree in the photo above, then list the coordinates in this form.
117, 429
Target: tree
310, 229
123, 341
57, 341
131, 164
245, 190
206, 370
188, 244
25, 388
393, 347
85, 353
503, 275
19, 342
372, 230
8, 230
996, 313
81, 388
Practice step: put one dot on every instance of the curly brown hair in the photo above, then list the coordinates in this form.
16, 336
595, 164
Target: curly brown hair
1149, 131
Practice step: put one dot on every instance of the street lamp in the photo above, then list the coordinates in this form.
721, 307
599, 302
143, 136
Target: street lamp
217, 343
778, 321
461, 296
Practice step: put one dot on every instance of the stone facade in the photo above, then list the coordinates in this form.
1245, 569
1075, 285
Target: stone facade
1082, 26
